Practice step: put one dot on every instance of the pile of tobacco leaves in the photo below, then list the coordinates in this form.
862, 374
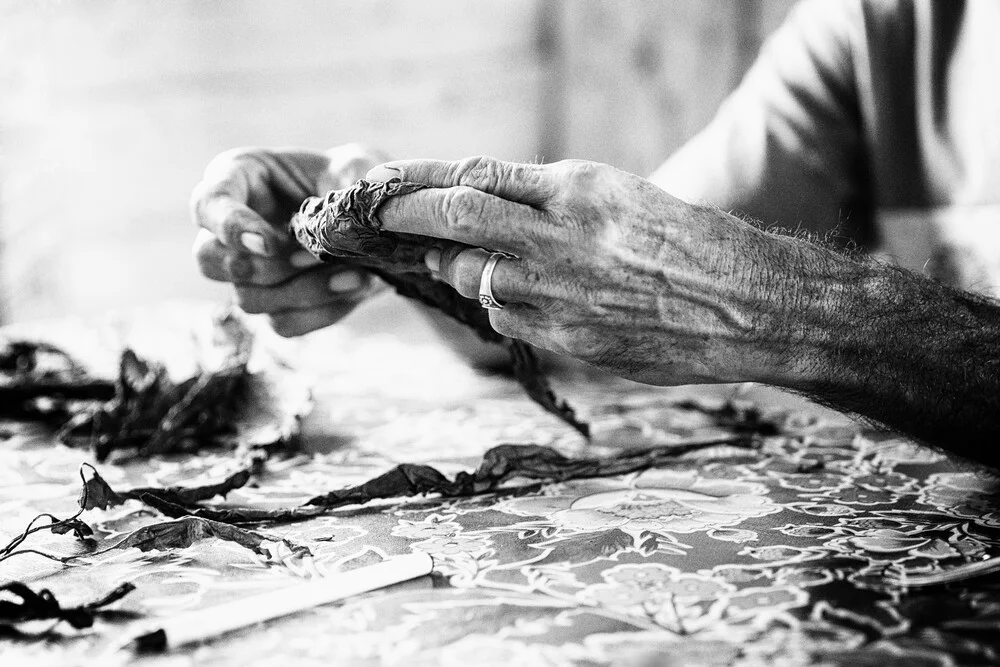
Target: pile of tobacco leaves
343, 226
139, 413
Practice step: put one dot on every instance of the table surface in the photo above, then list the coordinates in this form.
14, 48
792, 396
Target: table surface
726, 556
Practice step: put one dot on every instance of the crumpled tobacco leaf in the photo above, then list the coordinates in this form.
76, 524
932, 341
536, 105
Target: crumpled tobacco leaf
43, 605
185, 531
344, 226
97, 493
503, 463
149, 413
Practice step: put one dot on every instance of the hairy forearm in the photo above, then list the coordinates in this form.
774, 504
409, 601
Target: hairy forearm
894, 347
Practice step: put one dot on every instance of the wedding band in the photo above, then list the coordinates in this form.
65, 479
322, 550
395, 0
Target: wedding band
486, 298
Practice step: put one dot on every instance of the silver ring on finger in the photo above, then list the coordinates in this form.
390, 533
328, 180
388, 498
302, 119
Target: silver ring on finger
486, 298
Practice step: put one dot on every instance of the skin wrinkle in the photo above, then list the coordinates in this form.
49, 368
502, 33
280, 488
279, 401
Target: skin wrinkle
651, 288
873, 367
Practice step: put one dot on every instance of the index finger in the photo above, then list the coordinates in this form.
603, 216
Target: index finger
468, 216
219, 204
524, 183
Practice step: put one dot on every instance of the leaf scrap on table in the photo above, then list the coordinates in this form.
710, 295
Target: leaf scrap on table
178, 533
344, 226
20, 604
185, 531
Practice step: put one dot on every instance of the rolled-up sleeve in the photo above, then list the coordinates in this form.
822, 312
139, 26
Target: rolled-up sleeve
786, 147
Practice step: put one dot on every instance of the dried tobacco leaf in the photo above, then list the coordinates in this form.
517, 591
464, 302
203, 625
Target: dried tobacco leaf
43, 605
505, 462
185, 531
151, 414
97, 493
344, 226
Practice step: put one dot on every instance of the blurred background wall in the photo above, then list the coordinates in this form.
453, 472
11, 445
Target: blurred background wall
109, 110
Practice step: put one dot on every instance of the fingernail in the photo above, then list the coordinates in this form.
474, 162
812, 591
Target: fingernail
433, 260
300, 259
254, 243
240, 269
383, 173
345, 281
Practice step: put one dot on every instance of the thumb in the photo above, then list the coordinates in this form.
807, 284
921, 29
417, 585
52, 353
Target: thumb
520, 182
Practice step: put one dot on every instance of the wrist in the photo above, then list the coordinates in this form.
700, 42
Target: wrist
805, 301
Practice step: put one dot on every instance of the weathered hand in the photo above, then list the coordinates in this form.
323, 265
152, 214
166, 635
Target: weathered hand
609, 268
243, 205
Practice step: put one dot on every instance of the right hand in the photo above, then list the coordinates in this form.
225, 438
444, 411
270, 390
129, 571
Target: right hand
243, 205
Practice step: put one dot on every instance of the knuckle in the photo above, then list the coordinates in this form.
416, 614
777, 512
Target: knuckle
589, 347
462, 208
206, 260
582, 180
230, 230
481, 170
456, 269
287, 325
200, 195
504, 324
250, 300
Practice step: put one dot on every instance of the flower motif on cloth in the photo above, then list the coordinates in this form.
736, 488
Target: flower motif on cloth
971, 495
672, 599
453, 545
434, 525
659, 501
889, 545
757, 601
736, 535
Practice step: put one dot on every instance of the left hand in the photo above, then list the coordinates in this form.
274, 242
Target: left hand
609, 268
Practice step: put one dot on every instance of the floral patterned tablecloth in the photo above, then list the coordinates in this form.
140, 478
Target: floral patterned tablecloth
728, 556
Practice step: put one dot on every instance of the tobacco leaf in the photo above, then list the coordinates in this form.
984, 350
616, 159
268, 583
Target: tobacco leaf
505, 462
234, 515
97, 493
151, 414
80, 529
344, 226
43, 605
185, 531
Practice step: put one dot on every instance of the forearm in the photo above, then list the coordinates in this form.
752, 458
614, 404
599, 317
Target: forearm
892, 346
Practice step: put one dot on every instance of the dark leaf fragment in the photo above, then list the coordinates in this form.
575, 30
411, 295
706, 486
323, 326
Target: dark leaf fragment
96, 493
80, 529
344, 226
27, 605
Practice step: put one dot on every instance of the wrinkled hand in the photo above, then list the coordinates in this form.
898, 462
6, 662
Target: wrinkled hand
243, 205
609, 268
